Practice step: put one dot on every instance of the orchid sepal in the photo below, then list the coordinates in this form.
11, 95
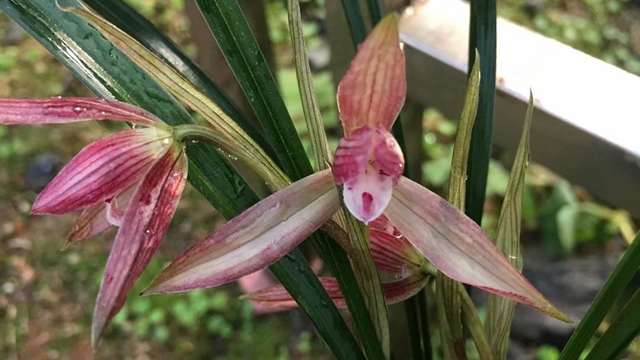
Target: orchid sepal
255, 239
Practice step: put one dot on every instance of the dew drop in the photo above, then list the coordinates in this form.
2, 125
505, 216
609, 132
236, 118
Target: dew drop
165, 141
232, 157
79, 110
147, 231
57, 97
194, 141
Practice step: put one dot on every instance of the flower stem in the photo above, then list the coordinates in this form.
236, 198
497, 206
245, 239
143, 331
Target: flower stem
262, 165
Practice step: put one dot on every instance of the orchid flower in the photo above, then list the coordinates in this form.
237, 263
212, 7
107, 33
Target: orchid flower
369, 163
132, 179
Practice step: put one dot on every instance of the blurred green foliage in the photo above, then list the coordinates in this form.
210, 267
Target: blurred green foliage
607, 29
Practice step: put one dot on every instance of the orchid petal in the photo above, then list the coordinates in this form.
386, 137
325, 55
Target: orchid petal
278, 299
458, 247
145, 223
367, 195
102, 170
93, 219
388, 154
391, 251
352, 155
255, 239
59, 110
373, 90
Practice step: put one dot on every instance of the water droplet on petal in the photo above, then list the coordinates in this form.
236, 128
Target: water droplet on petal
147, 231
79, 110
165, 141
57, 97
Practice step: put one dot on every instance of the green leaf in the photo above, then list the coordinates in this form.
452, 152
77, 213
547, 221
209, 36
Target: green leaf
482, 36
355, 21
311, 109
135, 25
375, 10
449, 288
624, 328
626, 269
239, 46
499, 309
108, 73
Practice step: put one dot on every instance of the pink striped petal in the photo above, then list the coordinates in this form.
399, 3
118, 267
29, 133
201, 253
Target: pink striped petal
373, 90
278, 299
388, 154
58, 110
255, 239
102, 170
352, 155
458, 247
93, 219
367, 195
391, 251
145, 223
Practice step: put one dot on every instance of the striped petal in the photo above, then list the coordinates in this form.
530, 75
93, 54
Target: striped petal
102, 170
373, 90
352, 155
93, 219
255, 239
59, 110
458, 247
144, 225
278, 299
387, 154
391, 251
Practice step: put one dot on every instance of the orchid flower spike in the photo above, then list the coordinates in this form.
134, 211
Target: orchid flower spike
368, 161
132, 179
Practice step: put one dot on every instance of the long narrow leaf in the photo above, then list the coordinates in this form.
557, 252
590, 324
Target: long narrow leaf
482, 37
79, 47
312, 116
239, 46
355, 21
626, 269
456, 196
624, 328
500, 310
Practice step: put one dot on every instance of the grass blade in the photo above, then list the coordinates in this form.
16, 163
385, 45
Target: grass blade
355, 21
482, 37
375, 10
312, 116
624, 328
231, 30
456, 196
624, 271
500, 310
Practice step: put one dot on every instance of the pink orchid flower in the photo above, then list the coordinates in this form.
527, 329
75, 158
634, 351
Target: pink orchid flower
132, 179
368, 161
369, 164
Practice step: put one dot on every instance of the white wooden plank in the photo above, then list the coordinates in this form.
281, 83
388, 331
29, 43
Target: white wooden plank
587, 123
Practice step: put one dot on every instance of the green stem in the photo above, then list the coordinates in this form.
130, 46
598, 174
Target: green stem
269, 171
